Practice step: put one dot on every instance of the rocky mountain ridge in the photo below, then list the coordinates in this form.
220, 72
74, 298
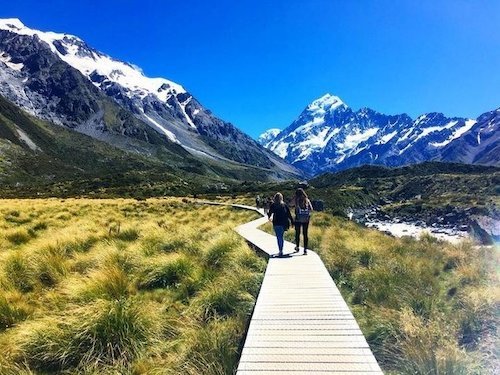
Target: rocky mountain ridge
330, 136
60, 78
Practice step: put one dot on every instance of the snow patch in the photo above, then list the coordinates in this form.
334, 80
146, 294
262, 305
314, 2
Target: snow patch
386, 138
24, 137
162, 129
183, 107
456, 134
88, 60
268, 136
280, 149
405, 135
352, 140
431, 129
327, 102
316, 142
5, 58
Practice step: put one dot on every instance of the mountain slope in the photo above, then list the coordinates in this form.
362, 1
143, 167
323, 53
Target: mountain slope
330, 136
38, 158
36, 153
35, 74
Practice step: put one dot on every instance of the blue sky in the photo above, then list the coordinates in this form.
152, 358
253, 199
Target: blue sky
258, 63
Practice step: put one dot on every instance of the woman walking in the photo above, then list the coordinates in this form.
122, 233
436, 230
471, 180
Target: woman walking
281, 219
303, 209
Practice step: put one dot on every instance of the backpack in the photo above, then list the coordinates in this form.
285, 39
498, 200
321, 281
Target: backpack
303, 214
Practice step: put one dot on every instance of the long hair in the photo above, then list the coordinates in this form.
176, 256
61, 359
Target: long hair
301, 198
278, 198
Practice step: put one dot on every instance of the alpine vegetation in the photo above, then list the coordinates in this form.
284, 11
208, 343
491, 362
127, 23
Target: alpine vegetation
123, 287
425, 306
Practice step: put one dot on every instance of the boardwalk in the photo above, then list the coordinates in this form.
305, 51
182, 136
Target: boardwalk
300, 324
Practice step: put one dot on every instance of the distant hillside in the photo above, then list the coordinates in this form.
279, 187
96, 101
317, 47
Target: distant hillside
429, 186
359, 175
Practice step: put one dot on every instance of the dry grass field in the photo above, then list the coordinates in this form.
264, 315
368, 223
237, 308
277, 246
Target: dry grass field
161, 286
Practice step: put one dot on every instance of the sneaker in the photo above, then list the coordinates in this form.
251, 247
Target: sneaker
280, 254
296, 249
305, 251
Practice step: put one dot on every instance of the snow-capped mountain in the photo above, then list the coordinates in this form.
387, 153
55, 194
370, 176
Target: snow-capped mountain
58, 77
268, 136
329, 136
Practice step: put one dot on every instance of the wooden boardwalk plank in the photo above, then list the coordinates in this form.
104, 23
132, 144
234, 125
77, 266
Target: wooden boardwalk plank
300, 324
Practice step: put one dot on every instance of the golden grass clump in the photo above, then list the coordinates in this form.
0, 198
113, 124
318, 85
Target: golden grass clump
210, 349
13, 309
108, 282
103, 332
165, 272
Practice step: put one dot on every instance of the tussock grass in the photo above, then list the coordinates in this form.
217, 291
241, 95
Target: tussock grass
128, 234
104, 332
20, 272
219, 251
110, 282
18, 236
123, 287
220, 301
211, 349
51, 265
425, 306
167, 272
13, 309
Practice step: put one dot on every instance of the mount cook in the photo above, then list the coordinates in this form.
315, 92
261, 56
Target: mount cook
330, 136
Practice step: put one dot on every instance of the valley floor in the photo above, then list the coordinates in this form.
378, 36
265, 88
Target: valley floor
165, 286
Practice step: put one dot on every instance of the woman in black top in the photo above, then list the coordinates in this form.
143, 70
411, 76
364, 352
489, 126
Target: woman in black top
303, 209
281, 219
